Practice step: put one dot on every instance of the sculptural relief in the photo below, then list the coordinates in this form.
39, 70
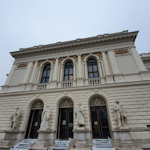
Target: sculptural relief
120, 115
45, 125
15, 119
80, 116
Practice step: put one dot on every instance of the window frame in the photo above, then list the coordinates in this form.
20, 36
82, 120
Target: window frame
46, 77
92, 68
68, 71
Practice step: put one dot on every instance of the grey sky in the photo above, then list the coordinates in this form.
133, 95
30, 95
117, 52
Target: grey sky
25, 23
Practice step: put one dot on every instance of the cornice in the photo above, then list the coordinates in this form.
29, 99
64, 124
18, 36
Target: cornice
99, 40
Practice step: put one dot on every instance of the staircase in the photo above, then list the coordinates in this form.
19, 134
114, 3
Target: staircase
102, 144
24, 145
61, 144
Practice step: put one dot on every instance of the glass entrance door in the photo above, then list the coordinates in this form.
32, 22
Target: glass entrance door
34, 121
65, 123
65, 120
99, 120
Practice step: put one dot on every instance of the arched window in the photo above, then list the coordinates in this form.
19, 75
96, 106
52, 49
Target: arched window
68, 71
46, 74
92, 68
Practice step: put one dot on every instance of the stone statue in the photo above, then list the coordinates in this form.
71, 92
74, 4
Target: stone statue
45, 125
80, 116
120, 114
15, 119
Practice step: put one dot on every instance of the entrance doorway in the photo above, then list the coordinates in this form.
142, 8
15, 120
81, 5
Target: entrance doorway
34, 120
99, 121
65, 120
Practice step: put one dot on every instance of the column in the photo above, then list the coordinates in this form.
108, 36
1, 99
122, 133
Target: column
143, 71
113, 62
79, 67
99, 68
61, 72
80, 78
138, 60
114, 65
109, 77
55, 70
85, 70
10, 74
34, 72
51, 73
105, 64
74, 71
27, 73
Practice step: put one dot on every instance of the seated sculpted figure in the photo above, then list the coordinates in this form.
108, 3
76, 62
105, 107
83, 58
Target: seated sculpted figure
120, 114
80, 116
15, 119
45, 125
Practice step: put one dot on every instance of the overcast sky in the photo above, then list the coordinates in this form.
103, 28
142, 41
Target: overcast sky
26, 23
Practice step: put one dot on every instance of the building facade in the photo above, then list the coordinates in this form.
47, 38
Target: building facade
85, 89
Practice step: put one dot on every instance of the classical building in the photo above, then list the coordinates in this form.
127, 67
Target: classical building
84, 92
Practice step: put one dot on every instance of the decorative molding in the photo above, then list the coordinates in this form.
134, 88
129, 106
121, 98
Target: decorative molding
121, 51
83, 56
74, 57
61, 59
99, 54
22, 65
40, 62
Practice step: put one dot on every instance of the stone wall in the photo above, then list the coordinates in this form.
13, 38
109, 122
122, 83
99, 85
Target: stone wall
134, 99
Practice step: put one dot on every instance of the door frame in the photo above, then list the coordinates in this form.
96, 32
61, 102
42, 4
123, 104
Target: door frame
27, 115
107, 111
57, 115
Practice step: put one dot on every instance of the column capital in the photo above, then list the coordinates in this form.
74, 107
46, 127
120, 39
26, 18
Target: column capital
57, 58
110, 50
103, 51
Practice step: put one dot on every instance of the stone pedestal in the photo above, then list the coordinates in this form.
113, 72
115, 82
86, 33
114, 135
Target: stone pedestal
11, 138
118, 77
121, 138
82, 137
109, 79
46, 139
79, 81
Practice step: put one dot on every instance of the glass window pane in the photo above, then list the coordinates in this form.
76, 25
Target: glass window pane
95, 68
48, 73
43, 80
70, 70
66, 71
90, 75
47, 80
66, 78
44, 73
89, 68
96, 75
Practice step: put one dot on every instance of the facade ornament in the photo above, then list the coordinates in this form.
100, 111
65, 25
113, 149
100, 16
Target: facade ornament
22, 65
99, 54
45, 125
121, 51
80, 116
120, 115
15, 119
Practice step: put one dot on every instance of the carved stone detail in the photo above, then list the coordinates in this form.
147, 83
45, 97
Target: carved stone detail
40, 62
38, 105
97, 102
121, 51
61, 59
66, 103
22, 65
98, 54
83, 56
75, 57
